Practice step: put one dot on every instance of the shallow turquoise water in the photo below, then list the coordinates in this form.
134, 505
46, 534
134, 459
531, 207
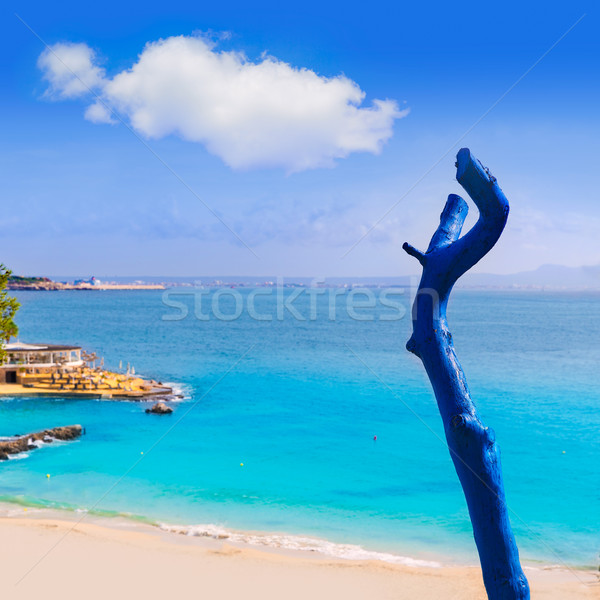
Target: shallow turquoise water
298, 403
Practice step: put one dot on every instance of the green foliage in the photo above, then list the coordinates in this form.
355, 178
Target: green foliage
31, 280
8, 309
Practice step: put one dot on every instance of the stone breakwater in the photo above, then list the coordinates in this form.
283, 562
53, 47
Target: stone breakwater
31, 441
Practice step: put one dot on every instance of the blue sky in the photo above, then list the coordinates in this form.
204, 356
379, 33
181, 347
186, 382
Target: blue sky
81, 197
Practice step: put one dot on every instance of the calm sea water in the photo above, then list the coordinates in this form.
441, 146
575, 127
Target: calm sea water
299, 403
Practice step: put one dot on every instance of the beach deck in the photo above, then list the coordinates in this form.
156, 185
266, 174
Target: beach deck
58, 370
15, 389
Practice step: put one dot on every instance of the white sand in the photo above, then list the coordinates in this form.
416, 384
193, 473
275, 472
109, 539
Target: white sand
55, 558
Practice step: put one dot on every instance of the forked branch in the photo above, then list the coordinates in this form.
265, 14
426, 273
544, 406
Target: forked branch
472, 446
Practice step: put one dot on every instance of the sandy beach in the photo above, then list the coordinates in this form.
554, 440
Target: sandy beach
56, 557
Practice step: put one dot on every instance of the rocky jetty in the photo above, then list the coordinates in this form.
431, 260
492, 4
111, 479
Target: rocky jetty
31, 441
160, 408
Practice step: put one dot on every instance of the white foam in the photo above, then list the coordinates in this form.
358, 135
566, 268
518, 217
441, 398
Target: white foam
180, 392
19, 456
296, 543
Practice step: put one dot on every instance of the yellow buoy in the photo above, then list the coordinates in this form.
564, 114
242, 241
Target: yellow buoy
47, 475
241, 464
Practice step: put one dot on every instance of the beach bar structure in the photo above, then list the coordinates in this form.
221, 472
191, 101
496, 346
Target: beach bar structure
38, 369
37, 359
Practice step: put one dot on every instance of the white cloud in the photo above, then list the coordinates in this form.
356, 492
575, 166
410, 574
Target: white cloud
70, 70
250, 114
98, 113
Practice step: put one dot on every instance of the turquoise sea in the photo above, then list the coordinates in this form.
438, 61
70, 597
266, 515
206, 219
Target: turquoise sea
276, 430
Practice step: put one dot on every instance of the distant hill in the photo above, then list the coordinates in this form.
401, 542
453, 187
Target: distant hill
546, 276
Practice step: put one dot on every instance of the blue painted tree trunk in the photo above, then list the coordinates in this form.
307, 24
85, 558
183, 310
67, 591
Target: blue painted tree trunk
472, 445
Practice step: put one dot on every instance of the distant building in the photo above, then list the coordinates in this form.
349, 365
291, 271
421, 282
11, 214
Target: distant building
37, 359
91, 281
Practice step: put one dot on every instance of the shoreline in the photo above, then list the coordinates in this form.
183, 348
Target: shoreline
103, 287
115, 553
267, 541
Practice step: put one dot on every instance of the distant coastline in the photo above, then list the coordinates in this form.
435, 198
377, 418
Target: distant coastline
47, 284
546, 278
